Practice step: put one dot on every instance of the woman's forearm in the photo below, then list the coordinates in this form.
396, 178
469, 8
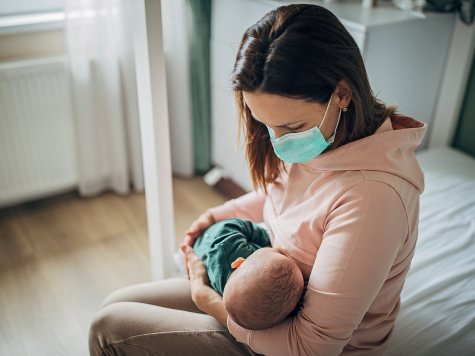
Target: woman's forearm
217, 311
209, 301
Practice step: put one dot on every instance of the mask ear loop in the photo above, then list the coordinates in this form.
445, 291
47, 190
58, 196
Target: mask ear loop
345, 109
332, 137
325, 115
339, 115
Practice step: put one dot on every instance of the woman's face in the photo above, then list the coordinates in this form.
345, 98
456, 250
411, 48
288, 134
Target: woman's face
285, 115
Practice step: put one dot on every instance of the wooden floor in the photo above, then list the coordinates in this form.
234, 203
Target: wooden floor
61, 256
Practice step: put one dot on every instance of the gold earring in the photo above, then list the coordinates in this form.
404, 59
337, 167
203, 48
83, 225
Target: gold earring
345, 109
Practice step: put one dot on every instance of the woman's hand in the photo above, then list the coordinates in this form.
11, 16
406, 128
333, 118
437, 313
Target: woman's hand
205, 297
197, 227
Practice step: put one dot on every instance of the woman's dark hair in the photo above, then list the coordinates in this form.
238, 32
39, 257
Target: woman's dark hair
301, 52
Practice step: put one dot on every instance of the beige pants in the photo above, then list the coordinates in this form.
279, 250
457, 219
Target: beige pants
159, 318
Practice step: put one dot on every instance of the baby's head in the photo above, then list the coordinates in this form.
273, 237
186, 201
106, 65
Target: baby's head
263, 290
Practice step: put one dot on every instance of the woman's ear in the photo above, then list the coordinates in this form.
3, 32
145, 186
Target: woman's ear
343, 91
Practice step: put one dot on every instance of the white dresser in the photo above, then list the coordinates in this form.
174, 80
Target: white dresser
404, 57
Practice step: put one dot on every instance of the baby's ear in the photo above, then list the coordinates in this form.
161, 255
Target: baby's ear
238, 262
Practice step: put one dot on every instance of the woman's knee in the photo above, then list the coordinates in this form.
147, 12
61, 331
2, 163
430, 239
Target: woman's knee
134, 328
103, 328
117, 322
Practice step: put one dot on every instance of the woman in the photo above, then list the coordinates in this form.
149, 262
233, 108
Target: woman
338, 186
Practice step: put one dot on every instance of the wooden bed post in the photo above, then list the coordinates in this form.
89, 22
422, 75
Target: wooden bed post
154, 128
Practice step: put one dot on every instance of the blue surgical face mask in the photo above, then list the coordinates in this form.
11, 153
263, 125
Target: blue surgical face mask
296, 147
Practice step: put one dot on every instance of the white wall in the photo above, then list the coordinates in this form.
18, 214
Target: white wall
176, 39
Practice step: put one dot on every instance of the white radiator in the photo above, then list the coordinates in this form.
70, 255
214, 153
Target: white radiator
37, 148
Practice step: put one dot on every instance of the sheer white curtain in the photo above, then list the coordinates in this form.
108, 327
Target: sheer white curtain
104, 93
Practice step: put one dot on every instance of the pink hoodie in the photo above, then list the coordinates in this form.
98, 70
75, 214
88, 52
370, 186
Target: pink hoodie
351, 215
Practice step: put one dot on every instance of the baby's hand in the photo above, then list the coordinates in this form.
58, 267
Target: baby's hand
197, 227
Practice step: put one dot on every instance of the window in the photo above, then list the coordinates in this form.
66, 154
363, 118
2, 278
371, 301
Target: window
16, 7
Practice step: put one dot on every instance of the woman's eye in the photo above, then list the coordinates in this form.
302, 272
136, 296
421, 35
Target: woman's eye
296, 128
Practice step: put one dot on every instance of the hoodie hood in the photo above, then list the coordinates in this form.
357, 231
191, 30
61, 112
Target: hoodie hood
390, 149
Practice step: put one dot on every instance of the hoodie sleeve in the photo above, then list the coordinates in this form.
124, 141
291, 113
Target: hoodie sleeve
250, 207
363, 232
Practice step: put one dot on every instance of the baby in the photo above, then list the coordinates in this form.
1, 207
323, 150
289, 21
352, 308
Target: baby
260, 285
